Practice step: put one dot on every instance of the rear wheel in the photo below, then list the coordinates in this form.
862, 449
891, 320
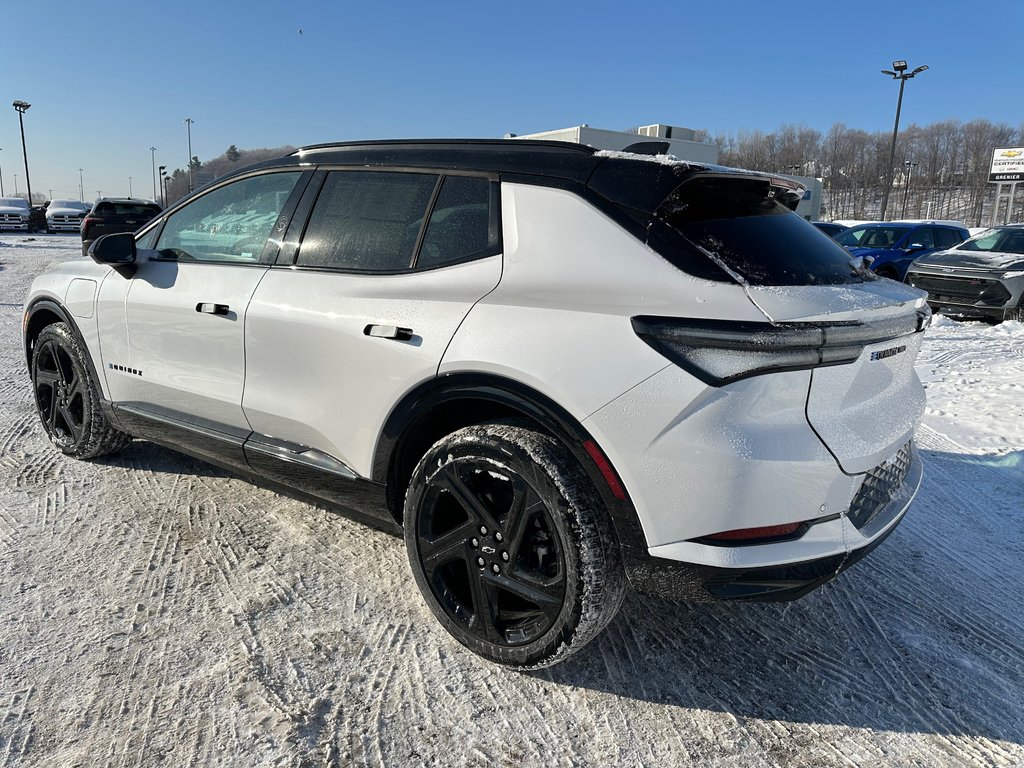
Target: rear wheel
68, 398
511, 546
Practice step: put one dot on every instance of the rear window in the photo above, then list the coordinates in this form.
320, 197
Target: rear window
738, 223
128, 209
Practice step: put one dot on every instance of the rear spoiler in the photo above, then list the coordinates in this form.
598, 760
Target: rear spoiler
643, 176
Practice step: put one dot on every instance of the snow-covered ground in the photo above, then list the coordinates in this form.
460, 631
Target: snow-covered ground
156, 611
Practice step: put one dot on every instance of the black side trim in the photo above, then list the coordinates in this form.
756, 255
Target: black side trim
296, 470
214, 444
317, 474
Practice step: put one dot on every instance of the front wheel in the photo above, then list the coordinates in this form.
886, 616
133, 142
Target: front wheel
511, 546
68, 398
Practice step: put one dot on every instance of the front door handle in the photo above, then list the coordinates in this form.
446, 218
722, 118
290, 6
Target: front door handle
208, 308
388, 332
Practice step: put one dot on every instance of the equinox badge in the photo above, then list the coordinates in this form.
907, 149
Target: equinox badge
890, 352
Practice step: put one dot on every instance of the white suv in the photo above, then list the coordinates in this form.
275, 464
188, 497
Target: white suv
560, 371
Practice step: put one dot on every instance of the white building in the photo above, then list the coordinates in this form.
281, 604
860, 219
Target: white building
682, 141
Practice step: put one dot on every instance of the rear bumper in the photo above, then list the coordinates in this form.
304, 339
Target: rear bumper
684, 581
783, 581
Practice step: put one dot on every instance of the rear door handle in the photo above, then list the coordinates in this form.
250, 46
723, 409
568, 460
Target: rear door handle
388, 332
209, 308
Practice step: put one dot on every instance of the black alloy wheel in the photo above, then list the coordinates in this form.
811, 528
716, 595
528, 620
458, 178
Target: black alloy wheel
67, 398
60, 394
511, 546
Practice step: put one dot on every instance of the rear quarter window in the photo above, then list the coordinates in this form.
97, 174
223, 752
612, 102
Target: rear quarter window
460, 223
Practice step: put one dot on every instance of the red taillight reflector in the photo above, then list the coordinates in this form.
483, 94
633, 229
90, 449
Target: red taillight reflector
765, 532
606, 470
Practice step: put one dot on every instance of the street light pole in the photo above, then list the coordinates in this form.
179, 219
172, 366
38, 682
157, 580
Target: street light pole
1, 178
902, 75
152, 156
906, 188
21, 107
188, 123
129, 186
163, 188
81, 187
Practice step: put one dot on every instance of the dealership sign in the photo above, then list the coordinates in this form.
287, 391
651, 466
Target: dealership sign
1007, 164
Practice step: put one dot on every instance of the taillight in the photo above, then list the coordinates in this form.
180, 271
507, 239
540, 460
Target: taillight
722, 351
764, 534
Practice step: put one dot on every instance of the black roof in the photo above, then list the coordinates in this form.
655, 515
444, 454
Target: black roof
559, 159
636, 181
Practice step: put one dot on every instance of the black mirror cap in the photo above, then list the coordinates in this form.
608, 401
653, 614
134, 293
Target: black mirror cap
115, 249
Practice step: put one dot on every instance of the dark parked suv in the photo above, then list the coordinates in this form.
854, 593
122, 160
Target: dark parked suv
115, 214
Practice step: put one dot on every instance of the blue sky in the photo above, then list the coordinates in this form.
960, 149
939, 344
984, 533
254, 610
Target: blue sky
109, 80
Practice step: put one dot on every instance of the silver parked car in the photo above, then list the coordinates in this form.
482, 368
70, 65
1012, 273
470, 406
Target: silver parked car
65, 215
982, 277
14, 214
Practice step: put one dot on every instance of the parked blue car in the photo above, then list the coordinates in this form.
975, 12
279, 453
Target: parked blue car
887, 248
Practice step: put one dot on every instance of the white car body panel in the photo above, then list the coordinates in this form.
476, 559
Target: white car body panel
188, 362
572, 339
698, 460
315, 378
865, 409
56, 283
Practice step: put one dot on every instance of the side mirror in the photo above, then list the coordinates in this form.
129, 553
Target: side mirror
116, 249
914, 247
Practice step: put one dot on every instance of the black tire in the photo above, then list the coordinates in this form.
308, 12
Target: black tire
516, 500
68, 398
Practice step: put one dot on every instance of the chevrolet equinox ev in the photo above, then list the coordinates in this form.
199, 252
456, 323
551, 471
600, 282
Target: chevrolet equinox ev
558, 371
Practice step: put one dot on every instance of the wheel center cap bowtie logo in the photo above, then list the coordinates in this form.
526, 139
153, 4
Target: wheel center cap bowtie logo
487, 550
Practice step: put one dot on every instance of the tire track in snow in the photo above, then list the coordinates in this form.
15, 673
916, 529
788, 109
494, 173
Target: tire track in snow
15, 726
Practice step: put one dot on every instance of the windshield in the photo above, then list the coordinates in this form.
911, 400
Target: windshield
871, 237
14, 202
997, 240
738, 223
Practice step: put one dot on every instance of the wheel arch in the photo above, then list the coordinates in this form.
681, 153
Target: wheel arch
40, 313
444, 405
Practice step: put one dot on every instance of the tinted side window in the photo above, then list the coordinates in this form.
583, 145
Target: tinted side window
230, 223
947, 238
460, 222
921, 236
366, 220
